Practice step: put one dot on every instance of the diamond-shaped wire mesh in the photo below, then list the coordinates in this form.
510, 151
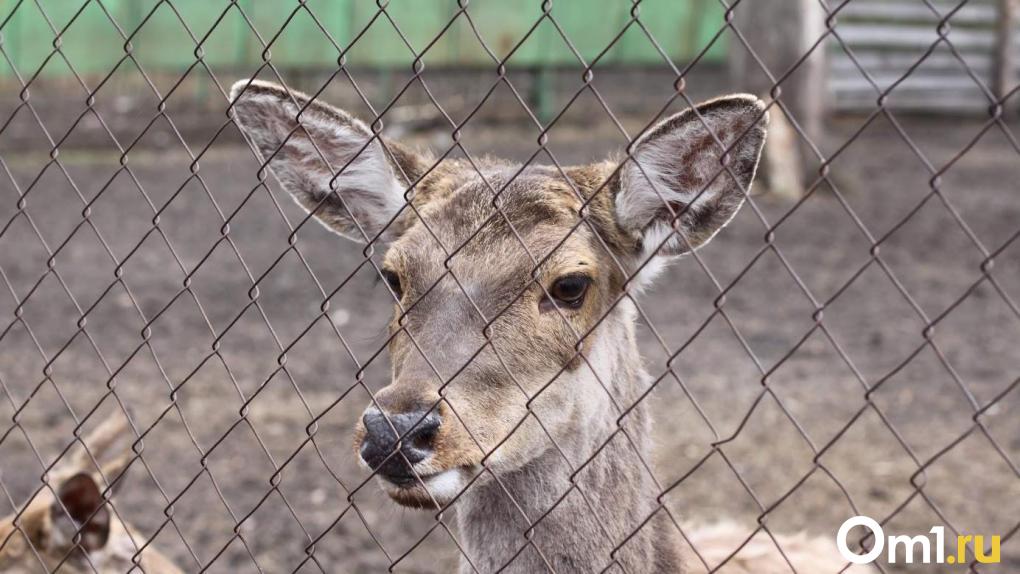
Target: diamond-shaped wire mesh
848, 352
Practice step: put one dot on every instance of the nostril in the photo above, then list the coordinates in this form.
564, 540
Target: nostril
424, 434
416, 432
420, 441
423, 440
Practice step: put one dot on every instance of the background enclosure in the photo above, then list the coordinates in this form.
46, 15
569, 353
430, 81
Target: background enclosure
847, 350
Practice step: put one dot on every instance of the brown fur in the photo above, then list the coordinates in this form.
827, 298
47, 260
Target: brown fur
40, 535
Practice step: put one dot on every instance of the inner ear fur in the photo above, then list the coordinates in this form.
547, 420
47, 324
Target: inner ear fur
330, 162
80, 508
688, 175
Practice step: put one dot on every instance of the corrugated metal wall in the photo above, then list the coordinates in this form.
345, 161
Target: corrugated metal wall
93, 44
888, 37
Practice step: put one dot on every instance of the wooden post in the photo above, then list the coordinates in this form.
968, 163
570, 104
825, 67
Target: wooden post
780, 32
1005, 53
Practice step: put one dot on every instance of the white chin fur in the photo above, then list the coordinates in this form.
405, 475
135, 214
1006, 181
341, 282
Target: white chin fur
446, 484
442, 487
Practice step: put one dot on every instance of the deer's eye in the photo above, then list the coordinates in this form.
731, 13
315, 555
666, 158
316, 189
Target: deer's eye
393, 280
569, 290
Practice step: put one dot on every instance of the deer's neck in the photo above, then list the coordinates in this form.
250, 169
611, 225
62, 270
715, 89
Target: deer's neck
579, 501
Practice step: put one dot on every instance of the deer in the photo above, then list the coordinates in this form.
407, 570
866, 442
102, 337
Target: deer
73, 528
516, 380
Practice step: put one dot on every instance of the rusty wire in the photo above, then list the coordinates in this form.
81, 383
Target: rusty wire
91, 88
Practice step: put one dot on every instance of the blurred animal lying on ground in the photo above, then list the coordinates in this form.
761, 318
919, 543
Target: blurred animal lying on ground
517, 387
70, 526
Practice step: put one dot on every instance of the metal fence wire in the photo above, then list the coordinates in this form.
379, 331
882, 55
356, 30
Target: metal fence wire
804, 369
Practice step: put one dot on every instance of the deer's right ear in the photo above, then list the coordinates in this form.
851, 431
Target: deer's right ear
329, 161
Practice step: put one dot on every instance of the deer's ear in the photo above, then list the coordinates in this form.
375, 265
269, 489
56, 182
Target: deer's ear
676, 191
329, 161
80, 507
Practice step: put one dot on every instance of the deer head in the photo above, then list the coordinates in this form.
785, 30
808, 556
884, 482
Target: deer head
507, 279
71, 527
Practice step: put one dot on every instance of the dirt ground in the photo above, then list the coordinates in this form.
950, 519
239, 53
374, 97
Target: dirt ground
174, 325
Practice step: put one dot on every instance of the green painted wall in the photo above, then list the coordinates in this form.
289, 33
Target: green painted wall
160, 42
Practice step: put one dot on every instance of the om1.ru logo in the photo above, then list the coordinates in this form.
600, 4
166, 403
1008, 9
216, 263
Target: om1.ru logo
911, 544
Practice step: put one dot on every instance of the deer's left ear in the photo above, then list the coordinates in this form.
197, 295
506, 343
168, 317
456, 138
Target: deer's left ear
689, 175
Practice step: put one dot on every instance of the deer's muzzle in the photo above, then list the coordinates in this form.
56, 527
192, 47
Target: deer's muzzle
394, 443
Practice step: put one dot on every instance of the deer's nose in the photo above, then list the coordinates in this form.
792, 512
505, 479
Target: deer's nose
394, 441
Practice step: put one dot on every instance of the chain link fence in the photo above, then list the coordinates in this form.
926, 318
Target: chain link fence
851, 351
